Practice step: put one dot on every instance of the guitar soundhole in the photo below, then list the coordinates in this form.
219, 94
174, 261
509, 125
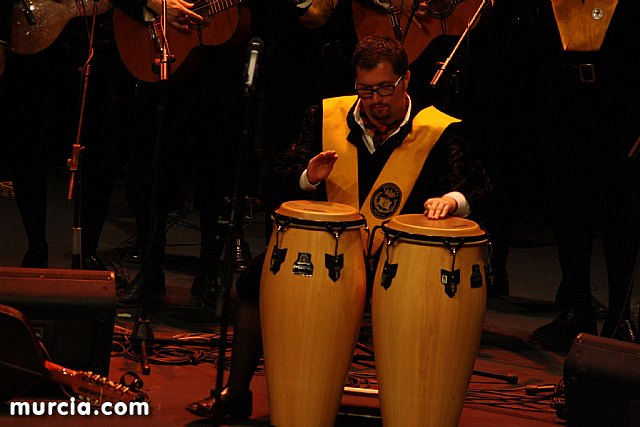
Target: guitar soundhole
441, 9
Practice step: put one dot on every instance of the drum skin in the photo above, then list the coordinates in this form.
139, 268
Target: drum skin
310, 323
425, 342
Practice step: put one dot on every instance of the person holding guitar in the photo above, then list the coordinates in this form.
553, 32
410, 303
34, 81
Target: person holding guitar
300, 62
381, 122
591, 129
42, 100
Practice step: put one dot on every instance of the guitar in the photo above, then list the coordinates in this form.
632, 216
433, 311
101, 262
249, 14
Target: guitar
22, 366
36, 24
140, 45
391, 18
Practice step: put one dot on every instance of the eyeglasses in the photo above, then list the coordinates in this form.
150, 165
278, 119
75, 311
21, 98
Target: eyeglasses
387, 90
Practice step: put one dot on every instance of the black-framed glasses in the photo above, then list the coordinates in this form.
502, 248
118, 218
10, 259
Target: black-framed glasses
386, 90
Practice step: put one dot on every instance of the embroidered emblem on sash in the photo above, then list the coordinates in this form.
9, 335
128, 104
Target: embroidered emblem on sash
385, 200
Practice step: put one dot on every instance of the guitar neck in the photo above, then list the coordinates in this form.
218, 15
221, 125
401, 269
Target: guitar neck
59, 374
211, 7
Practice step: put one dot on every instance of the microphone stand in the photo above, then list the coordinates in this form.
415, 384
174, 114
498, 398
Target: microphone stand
74, 163
471, 24
234, 224
414, 8
142, 331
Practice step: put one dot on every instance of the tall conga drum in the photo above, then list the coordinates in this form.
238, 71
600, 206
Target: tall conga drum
428, 309
312, 295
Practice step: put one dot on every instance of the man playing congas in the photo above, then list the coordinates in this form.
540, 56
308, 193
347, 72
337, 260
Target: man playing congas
379, 154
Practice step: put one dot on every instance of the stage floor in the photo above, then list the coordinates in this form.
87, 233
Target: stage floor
187, 374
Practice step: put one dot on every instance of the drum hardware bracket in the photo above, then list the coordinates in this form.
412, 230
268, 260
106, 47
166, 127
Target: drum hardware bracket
388, 274
389, 270
277, 258
476, 276
303, 265
450, 279
335, 262
279, 254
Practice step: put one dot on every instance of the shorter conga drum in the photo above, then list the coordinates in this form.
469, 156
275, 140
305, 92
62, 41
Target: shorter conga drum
428, 309
312, 294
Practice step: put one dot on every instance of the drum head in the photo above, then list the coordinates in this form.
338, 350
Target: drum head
318, 211
418, 224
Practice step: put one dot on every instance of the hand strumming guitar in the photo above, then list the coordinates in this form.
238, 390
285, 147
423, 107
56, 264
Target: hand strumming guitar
179, 13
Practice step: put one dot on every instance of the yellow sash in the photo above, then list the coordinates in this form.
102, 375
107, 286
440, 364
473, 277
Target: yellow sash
583, 24
396, 180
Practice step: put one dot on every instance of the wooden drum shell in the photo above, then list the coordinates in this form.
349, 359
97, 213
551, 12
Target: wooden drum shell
310, 324
425, 341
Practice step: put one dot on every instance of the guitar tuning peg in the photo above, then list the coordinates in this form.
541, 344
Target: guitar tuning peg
136, 382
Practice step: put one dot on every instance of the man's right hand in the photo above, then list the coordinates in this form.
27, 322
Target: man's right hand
179, 13
321, 166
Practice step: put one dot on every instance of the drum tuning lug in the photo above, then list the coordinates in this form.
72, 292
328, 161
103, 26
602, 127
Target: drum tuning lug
277, 258
476, 276
388, 274
450, 280
334, 264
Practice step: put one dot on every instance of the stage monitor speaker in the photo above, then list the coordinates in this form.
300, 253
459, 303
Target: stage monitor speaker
71, 311
602, 383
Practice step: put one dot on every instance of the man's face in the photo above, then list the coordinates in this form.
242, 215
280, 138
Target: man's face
383, 109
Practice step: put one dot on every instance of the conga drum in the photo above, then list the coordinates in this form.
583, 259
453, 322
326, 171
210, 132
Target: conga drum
312, 295
428, 309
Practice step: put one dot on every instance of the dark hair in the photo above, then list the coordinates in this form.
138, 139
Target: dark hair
372, 50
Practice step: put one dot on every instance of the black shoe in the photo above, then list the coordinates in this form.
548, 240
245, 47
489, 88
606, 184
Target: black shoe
626, 331
232, 405
560, 334
600, 311
35, 259
203, 284
155, 289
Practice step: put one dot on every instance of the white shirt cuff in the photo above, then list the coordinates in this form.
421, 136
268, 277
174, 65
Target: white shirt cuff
463, 209
305, 184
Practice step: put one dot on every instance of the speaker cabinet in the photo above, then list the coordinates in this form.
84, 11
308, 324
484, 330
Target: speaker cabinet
602, 382
71, 311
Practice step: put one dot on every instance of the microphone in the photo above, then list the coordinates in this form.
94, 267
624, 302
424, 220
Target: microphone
254, 51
